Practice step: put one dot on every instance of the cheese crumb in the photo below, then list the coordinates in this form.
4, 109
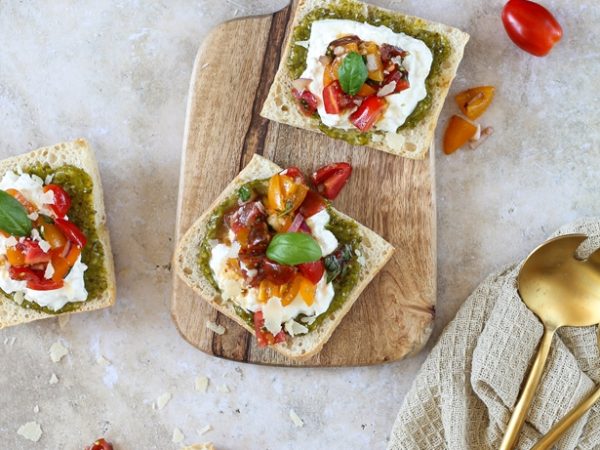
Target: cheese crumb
177, 436
162, 400
294, 328
224, 389
31, 431
49, 271
36, 409
218, 329
201, 384
19, 297
53, 379
296, 419
57, 352
102, 361
204, 430
63, 320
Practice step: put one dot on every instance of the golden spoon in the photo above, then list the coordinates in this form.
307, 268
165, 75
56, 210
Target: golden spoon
561, 291
573, 416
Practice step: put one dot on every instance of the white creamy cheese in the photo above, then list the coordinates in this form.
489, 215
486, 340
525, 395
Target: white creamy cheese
323, 236
400, 105
32, 188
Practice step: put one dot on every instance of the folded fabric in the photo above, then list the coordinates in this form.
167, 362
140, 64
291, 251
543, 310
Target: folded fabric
465, 392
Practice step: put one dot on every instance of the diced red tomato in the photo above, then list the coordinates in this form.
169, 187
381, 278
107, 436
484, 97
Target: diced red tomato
296, 174
35, 279
33, 253
313, 203
263, 337
280, 337
370, 110
307, 102
44, 285
389, 51
312, 271
277, 273
71, 231
100, 444
330, 179
401, 83
62, 200
335, 99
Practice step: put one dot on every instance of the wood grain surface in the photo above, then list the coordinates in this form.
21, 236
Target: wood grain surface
393, 196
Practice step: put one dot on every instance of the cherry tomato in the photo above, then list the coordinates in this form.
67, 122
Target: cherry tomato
62, 200
335, 99
313, 203
53, 235
369, 111
35, 279
262, 336
312, 271
32, 251
330, 179
401, 83
100, 444
296, 174
71, 231
307, 102
473, 102
15, 257
531, 26
457, 134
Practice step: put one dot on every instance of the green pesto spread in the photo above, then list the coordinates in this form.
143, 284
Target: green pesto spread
351, 10
345, 231
78, 184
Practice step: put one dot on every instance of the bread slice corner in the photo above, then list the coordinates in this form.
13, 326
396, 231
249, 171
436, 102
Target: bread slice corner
414, 142
79, 154
374, 249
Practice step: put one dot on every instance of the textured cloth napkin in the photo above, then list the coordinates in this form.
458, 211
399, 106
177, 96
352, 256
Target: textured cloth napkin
465, 392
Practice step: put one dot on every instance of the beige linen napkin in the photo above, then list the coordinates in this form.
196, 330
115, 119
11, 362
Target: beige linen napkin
464, 394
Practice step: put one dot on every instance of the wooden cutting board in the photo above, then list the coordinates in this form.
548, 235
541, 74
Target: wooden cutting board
392, 195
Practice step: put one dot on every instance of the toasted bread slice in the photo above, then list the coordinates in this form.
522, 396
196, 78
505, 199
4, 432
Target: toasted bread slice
374, 249
78, 154
410, 142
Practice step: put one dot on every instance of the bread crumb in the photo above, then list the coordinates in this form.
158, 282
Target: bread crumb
296, 419
53, 379
204, 430
102, 361
177, 436
201, 384
36, 409
63, 321
162, 401
223, 388
31, 431
218, 329
57, 352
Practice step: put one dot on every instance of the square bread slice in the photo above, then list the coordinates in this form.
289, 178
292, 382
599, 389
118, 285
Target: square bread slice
409, 142
374, 249
78, 154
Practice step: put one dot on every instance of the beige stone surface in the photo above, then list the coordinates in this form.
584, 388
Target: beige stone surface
117, 73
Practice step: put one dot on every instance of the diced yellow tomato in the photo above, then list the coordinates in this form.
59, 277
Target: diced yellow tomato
376, 75
307, 290
368, 47
473, 102
366, 90
61, 268
275, 193
267, 289
292, 291
73, 254
457, 134
53, 235
285, 195
15, 257
351, 47
330, 73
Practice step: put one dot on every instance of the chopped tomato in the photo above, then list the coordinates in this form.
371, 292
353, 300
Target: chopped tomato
366, 90
61, 268
100, 444
296, 174
280, 337
263, 337
35, 279
53, 235
473, 102
62, 200
44, 285
390, 51
335, 99
268, 289
330, 73
330, 179
307, 290
15, 257
285, 195
370, 110
313, 203
71, 232
30, 207
401, 82
277, 273
307, 102
312, 271
32, 251
292, 290
457, 134
73, 254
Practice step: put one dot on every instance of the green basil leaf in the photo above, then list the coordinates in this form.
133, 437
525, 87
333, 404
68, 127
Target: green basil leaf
352, 73
293, 248
13, 216
244, 193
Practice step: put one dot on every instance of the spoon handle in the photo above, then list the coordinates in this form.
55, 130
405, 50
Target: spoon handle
519, 414
561, 426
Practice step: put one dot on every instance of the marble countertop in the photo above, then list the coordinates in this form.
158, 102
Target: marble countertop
117, 73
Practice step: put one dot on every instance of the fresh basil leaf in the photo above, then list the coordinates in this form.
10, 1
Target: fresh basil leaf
352, 73
244, 193
13, 216
293, 248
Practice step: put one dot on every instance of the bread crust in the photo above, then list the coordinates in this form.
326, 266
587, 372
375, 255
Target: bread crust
280, 105
76, 153
375, 250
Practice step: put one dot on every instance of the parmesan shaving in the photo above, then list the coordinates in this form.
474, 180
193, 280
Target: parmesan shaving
296, 419
204, 430
177, 436
53, 379
162, 400
57, 352
201, 384
31, 431
218, 329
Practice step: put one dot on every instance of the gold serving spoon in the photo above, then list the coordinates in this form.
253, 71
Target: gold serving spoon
562, 291
573, 416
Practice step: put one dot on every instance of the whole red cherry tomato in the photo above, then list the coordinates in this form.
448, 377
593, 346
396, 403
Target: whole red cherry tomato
100, 444
531, 26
